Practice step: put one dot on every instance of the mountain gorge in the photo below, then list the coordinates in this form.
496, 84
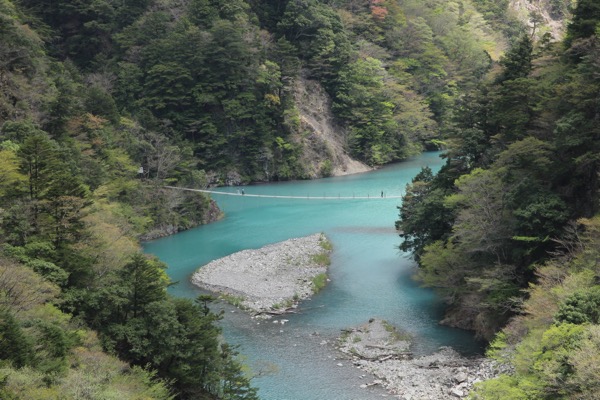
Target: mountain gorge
102, 103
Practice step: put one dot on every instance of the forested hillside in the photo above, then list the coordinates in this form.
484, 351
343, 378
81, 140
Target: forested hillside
73, 204
102, 103
507, 230
217, 78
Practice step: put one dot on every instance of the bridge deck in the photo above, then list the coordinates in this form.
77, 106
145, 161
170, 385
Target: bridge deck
268, 196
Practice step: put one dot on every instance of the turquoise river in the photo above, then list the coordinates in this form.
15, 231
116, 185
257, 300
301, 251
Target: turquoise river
369, 277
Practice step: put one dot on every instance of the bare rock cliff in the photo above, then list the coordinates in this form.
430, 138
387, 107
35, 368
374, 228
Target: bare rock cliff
323, 140
541, 17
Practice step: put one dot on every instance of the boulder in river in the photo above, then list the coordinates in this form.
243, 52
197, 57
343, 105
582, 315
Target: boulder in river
382, 350
375, 340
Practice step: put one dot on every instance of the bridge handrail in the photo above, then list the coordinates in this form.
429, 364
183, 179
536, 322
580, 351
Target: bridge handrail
268, 196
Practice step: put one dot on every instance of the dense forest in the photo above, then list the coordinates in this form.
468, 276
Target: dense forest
507, 230
102, 103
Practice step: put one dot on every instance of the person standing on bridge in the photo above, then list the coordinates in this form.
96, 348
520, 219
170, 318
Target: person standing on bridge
382, 193
243, 193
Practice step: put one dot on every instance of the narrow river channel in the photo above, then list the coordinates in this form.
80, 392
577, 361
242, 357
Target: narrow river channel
369, 277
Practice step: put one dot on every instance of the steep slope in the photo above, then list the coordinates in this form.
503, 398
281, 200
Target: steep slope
521, 168
543, 16
323, 139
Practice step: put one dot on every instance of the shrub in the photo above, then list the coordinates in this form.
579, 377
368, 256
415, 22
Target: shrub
581, 307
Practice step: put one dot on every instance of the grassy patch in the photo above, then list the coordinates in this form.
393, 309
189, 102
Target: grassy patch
232, 299
321, 258
319, 282
394, 334
344, 336
283, 305
325, 244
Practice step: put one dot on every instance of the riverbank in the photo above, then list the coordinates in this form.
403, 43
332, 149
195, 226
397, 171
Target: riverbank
371, 279
380, 349
272, 279
210, 213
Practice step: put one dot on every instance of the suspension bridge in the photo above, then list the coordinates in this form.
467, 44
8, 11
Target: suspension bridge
307, 197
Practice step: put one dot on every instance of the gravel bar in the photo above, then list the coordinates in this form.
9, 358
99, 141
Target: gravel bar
272, 279
378, 348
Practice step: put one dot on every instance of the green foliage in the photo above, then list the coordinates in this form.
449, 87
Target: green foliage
232, 299
45, 354
53, 344
99, 102
497, 346
543, 366
143, 282
38, 156
517, 61
325, 243
175, 337
15, 346
514, 177
423, 216
10, 177
580, 308
559, 9
180, 89
202, 73
584, 22
71, 204
321, 258
503, 387
443, 266
319, 282
50, 271
554, 347
318, 33
326, 169
359, 98
496, 11
234, 383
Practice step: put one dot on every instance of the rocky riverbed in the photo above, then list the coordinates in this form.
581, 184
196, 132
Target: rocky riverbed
380, 349
272, 279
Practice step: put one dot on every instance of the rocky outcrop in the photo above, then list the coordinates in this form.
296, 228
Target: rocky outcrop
323, 139
376, 340
546, 20
442, 375
383, 351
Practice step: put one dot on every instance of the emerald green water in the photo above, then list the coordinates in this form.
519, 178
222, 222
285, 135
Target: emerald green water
369, 278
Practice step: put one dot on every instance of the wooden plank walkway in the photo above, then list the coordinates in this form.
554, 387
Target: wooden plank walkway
268, 196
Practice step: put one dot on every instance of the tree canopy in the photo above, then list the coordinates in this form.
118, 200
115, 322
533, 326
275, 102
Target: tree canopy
103, 103
505, 228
